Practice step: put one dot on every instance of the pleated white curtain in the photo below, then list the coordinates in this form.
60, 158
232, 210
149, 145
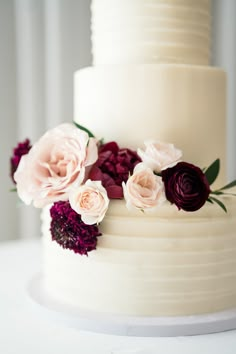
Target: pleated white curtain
52, 41
42, 43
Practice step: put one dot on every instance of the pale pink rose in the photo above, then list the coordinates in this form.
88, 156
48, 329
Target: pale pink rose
158, 155
55, 164
143, 190
90, 200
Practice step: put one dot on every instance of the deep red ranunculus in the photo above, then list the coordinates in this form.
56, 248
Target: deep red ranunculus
186, 186
69, 231
21, 149
113, 167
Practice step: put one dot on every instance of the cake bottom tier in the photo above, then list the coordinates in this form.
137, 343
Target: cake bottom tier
170, 263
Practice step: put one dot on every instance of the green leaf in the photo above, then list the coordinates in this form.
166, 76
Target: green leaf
230, 185
212, 171
217, 201
218, 192
84, 129
13, 190
157, 173
223, 193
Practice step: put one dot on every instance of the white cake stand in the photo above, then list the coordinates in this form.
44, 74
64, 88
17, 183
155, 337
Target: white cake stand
128, 325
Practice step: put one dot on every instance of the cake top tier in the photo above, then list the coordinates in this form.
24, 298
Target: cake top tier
151, 31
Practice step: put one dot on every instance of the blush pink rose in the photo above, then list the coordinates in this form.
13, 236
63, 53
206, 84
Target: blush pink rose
90, 200
144, 190
55, 164
158, 155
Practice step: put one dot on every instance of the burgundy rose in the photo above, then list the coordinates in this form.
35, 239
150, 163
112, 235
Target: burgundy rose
69, 231
186, 186
113, 167
21, 149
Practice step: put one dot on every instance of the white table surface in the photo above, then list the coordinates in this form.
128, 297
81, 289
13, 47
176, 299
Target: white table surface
25, 328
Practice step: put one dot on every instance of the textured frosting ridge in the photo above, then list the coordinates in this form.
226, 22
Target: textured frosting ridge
175, 103
151, 31
167, 264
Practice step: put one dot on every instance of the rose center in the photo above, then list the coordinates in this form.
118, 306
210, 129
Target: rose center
89, 200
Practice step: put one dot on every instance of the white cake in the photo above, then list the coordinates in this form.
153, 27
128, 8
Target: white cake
151, 79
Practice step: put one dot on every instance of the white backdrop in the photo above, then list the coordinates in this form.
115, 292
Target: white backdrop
42, 42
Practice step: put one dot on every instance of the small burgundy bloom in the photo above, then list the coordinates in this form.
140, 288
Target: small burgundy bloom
113, 167
70, 231
21, 149
186, 186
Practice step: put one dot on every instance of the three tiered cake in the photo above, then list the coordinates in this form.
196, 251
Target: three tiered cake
161, 244
151, 79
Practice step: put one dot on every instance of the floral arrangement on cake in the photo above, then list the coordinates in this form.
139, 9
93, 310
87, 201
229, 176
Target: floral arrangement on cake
77, 176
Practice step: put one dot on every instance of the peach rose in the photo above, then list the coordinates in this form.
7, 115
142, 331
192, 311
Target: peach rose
143, 190
55, 164
90, 200
158, 155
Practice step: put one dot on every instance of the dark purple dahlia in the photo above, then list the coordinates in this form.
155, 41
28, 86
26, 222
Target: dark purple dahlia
186, 186
70, 231
21, 149
113, 167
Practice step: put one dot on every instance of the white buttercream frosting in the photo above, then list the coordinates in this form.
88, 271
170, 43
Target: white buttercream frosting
151, 31
167, 263
180, 104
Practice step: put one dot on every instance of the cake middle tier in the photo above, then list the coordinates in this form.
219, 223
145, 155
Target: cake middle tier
181, 104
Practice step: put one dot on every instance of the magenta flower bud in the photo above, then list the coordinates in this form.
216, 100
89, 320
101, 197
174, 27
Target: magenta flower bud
69, 231
114, 165
21, 149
